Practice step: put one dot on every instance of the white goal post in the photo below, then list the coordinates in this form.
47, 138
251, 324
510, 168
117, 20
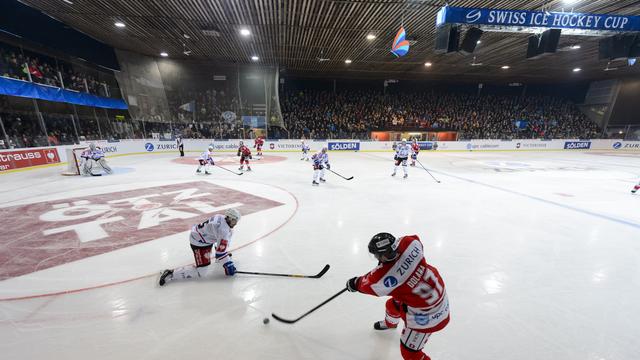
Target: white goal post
73, 160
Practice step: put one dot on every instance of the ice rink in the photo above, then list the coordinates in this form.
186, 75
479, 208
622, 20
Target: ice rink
539, 252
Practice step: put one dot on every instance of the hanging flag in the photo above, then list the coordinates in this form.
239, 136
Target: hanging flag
400, 46
190, 106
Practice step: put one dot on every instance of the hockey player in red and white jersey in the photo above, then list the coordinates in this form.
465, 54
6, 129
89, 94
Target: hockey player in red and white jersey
635, 188
206, 159
245, 155
415, 149
259, 141
418, 295
214, 232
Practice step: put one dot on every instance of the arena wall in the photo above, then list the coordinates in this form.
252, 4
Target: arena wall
21, 159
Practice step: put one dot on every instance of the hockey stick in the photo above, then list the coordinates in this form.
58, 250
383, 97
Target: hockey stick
349, 178
316, 276
438, 181
286, 321
233, 172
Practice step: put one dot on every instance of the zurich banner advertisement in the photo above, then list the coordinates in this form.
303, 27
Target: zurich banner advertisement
345, 146
577, 145
537, 19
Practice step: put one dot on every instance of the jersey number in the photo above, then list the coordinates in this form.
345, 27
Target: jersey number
430, 289
200, 226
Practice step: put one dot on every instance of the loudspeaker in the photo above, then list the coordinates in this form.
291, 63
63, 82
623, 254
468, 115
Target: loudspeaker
550, 40
547, 43
619, 47
470, 41
447, 39
533, 49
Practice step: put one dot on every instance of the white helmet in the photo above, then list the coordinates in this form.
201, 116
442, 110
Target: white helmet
324, 149
92, 146
210, 148
232, 214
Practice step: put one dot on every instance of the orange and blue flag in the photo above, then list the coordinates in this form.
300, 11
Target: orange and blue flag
400, 46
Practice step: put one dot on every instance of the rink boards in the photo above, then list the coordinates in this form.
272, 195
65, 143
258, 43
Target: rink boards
15, 160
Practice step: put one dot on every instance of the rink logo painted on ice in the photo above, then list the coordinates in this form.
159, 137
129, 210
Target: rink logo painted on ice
344, 146
390, 281
27, 158
76, 228
577, 145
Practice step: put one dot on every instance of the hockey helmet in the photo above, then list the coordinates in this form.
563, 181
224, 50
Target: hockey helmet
210, 148
92, 146
383, 246
324, 149
232, 216
404, 141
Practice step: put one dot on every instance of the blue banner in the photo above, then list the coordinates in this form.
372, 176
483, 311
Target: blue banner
569, 145
344, 146
537, 19
13, 87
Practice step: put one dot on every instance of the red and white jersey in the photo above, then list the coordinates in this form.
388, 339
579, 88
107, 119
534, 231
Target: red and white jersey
244, 150
415, 148
408, 279
214, 231
258, 143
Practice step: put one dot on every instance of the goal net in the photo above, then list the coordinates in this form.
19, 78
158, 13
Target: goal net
73, 161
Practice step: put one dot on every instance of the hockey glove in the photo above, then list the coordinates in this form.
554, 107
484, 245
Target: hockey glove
395, 158
229, 268
250, 157
328, 166
352, 284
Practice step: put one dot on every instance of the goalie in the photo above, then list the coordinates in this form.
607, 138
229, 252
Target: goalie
93, 157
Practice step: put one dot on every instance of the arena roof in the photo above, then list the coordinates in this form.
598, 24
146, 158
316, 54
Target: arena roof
297, 34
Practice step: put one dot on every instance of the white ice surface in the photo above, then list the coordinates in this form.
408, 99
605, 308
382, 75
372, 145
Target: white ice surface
540, 260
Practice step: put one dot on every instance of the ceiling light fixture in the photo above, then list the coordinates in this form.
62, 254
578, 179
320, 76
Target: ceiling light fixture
428, 64
479, 42
245, 32
119, 24
255, 58
347, 61
505, 67
68, 2
575, 47
164, 54
577, 70
371, 37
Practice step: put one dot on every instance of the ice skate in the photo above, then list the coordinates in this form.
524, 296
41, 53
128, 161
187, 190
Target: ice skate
322, 180
382, 325
315, 183
406, 176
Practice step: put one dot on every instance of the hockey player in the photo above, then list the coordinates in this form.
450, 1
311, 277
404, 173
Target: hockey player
86, 162
415, 149
258, 145
402, 154
305, 151
180, 145
635, 188
98, 156
245, 155
214, 232
418, 295
206, 159
320, 161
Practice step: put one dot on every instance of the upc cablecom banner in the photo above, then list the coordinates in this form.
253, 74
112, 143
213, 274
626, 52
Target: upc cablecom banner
26, 158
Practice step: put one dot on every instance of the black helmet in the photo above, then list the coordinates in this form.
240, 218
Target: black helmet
383, 246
